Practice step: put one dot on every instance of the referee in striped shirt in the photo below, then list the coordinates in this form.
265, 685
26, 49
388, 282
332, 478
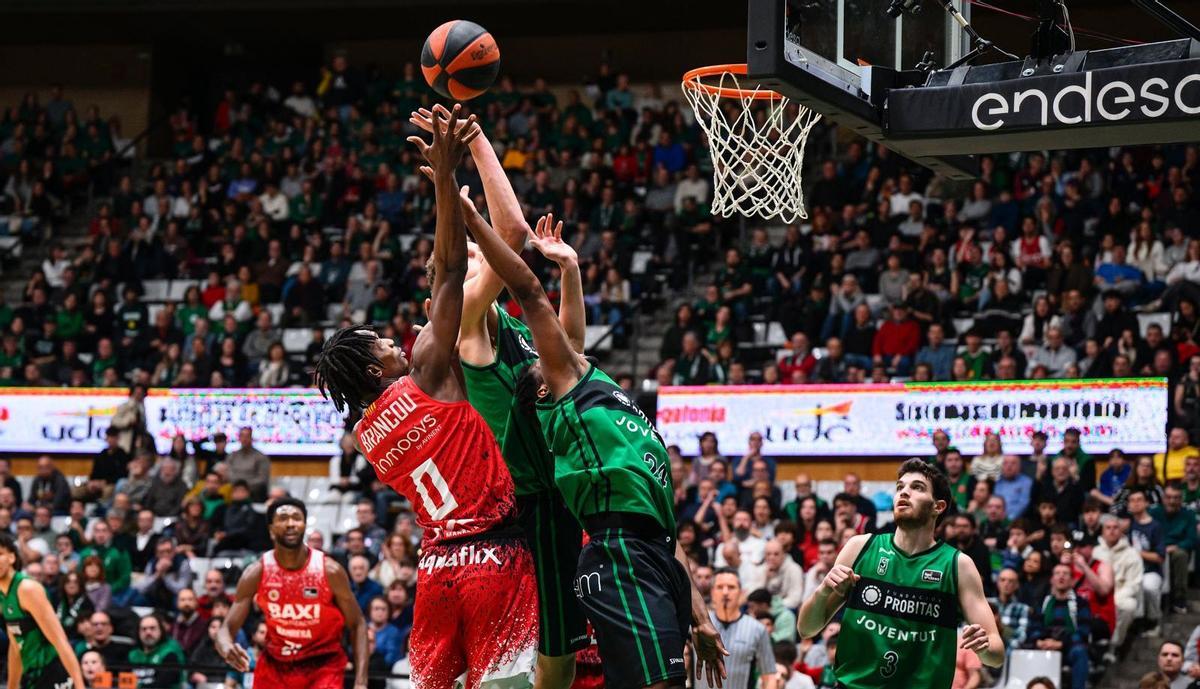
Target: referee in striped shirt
746, 639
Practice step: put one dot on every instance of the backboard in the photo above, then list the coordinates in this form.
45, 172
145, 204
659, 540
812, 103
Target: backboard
853, 63
844, 38
840, 58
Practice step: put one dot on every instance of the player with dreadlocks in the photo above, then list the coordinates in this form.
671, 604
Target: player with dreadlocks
477, 608
612, 469
495, 349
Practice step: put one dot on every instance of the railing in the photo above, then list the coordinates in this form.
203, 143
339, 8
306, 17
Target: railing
119, 155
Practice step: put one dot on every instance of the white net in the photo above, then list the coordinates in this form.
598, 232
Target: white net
757, 147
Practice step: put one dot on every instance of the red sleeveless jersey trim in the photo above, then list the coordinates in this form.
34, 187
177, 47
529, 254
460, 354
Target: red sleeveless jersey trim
299, 609
442, 457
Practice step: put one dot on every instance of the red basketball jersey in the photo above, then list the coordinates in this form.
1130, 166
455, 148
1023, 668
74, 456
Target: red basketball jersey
442, 457
302, 617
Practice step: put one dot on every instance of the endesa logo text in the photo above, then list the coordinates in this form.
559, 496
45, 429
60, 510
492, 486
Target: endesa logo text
1095, 100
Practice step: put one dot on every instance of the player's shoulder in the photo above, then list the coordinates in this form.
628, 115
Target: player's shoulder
854, 548
28, 586
333, 568
253, 572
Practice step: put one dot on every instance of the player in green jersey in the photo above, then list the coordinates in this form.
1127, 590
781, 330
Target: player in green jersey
39, 655
495, 349
905, 594
611, 468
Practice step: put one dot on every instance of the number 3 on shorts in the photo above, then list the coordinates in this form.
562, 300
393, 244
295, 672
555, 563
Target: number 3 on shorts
888, 667
448, 503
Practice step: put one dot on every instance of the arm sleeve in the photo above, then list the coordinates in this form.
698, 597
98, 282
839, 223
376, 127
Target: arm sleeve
793, 594
1083, 626
180, 580
1191, 654
1035, 631
1189, 533
263, 470
764, 652
147, 582
1021, 631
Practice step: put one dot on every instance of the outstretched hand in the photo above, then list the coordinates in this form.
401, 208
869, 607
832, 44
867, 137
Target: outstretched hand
546, 237
422, 118
450, 141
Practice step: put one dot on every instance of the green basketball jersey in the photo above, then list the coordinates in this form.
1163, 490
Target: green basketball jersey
900, 625
492, 391
36, 651
610, 457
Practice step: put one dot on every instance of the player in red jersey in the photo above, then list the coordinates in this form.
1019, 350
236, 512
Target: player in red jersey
306, 602
476, 607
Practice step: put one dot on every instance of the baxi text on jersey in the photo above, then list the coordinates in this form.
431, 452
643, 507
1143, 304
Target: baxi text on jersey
386, 421
297, 612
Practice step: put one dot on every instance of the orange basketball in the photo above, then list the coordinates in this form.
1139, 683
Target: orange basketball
460, 59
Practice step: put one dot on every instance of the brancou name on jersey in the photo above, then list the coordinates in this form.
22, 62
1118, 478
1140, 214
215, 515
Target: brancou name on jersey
302, 616
442, 457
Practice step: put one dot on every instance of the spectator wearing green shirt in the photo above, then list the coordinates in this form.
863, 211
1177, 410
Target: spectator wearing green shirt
12, 361
308, 207
962, 484
804, 489
1085, 466
1191, 483
191, 310
970, 276
156, 647
117, 567
735, 283
69, 318
979, 361
1179, 535
104, 359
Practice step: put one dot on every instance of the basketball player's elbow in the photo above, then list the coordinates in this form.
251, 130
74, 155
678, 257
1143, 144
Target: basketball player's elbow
453, 268
994, 656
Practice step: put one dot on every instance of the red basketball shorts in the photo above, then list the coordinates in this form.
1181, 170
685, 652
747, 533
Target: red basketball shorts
475, 615
323, 672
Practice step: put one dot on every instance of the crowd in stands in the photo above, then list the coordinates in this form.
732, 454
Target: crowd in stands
1081, 264
1073, 558
301, 207
1079, 553
139, 557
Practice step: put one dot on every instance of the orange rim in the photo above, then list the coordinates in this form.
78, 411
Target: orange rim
694, 79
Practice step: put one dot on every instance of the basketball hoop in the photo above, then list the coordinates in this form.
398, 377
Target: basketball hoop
757, 138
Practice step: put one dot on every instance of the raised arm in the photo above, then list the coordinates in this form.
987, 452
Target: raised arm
340, 583
435, 350
562, 366
547, 239
503, 205
247, 586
